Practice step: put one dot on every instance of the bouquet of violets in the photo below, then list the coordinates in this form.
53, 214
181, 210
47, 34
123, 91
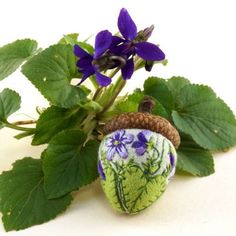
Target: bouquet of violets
135, 143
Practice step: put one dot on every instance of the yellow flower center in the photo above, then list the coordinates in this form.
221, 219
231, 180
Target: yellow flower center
116, 142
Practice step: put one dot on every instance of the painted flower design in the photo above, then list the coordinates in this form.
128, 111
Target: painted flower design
133, 44
172, 159
101, 171
173, 165
87, 63
142, 143
117, 144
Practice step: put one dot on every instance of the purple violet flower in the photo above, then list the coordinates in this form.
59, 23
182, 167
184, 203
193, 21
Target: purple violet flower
101, 171
117, 144
142, 143
131, 46
87, 62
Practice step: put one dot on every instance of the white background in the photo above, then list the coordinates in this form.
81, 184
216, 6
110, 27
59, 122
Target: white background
199, 40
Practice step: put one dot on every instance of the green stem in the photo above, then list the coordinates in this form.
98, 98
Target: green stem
117, 88
106, 97
114, 72
97, 93
12, 126
94, 82
99, 89
24, 122
119, 85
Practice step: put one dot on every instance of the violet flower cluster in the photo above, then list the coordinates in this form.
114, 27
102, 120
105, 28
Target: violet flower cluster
117, 144
112, 52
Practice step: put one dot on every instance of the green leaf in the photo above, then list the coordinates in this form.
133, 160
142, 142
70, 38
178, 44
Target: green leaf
124, 104
157, 88
159, 110
14, 54
164, 92
67, 164
55, 119
193, 159
175, 84
51, 72
86, 46
23, 202
92, 106
130, 104
9, 103
24, 134
69, 39
205, 117
86, 90
72, 39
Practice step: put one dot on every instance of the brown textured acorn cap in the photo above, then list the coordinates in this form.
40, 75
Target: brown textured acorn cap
141, 120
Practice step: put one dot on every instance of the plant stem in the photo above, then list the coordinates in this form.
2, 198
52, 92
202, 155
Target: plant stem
114, 72
94, 82
119, 85
24, 122
99, 89
13, 126
97, 92
106, 97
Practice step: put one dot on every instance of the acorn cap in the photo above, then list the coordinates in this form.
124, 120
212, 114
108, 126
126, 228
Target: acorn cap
141, 120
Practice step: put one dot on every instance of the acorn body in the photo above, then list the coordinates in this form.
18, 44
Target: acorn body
135, 166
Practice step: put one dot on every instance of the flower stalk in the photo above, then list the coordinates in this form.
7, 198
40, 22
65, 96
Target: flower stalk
13, 126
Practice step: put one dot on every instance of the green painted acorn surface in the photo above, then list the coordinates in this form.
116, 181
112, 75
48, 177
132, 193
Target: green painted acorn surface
135, 167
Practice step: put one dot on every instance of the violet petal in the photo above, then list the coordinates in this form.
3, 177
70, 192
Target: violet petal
85, 62
119, 134
109, 142
100, 171
86, 73
149, 51
128, 70
102, 79
140, 151
102, 42
121, 49
116, 41
110, 153
128, 138
172, 159
147, 133
136, 144
80, 52
142, 138
126, 25
122, 151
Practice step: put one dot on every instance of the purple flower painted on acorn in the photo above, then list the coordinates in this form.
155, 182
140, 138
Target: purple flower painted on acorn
117, 144
131, 45
142, 144
101, 171
173, 165
172, 160
87, 62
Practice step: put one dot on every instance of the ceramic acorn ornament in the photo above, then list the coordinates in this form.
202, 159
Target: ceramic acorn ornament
137, 158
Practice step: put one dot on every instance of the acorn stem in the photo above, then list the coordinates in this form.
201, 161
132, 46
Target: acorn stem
146, 105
